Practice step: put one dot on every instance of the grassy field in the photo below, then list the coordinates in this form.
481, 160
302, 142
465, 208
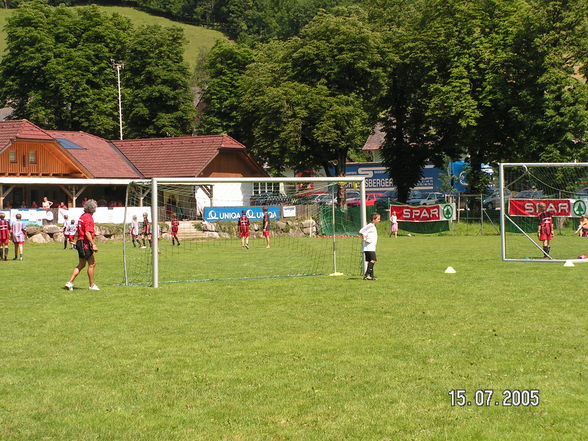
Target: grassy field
198, 38
312, 358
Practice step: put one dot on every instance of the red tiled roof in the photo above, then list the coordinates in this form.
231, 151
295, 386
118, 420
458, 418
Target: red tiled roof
376, 140
180, 157
21, 129
97, 155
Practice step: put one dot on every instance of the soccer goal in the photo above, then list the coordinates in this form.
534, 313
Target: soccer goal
207, 229
560, 192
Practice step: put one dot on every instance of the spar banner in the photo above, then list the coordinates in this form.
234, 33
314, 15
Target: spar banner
424, 213
559, 207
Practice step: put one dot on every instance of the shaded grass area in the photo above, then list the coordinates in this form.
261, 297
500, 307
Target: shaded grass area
312, 358
198, 38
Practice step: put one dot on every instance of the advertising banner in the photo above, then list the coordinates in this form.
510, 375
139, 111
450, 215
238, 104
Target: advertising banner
232, 214
424, 213
559, 207
31, 216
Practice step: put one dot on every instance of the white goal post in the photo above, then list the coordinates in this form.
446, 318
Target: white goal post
157, 183
562, 188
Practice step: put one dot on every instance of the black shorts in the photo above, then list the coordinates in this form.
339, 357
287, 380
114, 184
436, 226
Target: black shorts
369, 256
85, 251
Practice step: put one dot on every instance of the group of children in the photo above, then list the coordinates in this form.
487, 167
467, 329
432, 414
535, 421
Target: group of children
243, 226
141, 235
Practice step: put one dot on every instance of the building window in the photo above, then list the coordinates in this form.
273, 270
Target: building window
32, 157
266, 187
12, 157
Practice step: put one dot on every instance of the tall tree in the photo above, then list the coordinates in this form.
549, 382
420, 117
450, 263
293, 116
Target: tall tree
57, 72
160, 99
225, 66
312, 99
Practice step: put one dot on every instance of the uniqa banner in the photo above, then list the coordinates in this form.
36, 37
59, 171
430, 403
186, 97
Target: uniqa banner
223, 214
558, 207
423, 213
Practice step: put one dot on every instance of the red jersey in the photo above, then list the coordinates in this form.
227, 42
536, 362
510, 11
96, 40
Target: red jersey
243, 224
546, 222
85, 225
146, 226
4, 230
174, 226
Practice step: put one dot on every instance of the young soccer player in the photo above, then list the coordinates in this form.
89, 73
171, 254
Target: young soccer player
369, 234
393, 224
175, 225
545, 229
70, 233
266, 227
86, 246
18, 230
65, 225
582, 230
135, 232
4, 237
243, 224
146, 231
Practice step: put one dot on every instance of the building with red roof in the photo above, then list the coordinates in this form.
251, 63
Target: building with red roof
26, 150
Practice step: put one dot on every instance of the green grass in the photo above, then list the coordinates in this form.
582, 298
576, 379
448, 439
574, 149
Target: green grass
198, 38
313, 358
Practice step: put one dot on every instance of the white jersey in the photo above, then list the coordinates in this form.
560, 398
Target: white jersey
370, 237
71, 229
135, 228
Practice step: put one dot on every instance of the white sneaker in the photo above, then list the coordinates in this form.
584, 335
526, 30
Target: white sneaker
68, 286
94, 288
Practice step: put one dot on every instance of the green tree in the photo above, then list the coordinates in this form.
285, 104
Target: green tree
311, 100
158, 99
57, 72
225, 66
57, 69
488, 80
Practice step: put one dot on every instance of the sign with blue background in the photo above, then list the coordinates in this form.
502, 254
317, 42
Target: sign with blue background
232, 214
378, 179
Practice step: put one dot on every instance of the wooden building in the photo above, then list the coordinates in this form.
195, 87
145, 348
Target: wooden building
26, 150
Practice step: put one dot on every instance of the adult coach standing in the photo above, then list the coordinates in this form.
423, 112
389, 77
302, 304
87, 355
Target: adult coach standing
85, 246
370, 240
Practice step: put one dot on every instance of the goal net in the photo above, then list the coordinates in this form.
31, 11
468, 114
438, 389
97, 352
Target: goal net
188, 230
560, 192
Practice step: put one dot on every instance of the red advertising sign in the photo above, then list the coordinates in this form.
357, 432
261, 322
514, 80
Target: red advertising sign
529, 207
429, 213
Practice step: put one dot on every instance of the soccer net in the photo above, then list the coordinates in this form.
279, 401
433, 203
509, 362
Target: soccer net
558, 189
202, 235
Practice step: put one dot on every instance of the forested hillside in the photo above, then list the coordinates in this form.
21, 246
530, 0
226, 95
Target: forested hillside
198, 38
241, 20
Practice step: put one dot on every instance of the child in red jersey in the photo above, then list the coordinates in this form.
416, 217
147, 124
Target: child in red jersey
266, 227
175, 225
4, 237
146, 230
243, 225
18, 230
545, 229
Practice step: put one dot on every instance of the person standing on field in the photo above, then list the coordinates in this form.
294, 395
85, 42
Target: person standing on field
243, 225
393, 224
18, 230
175, 225
4, 237
86, 246
545, 229
266, 227
369, 234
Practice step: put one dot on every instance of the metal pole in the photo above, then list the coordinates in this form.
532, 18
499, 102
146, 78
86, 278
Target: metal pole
363, 213
126, 273
502, 209
155, 233
118, 67
333, 225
